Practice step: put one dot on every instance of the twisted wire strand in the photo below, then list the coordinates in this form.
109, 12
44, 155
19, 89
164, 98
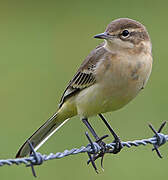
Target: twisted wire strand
37, 158
74, 151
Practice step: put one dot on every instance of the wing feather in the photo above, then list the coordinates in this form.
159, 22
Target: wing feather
85, 75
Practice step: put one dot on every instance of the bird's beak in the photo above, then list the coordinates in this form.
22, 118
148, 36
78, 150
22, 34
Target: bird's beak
102, 36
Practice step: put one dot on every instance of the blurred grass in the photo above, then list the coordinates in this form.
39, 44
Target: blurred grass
41, 45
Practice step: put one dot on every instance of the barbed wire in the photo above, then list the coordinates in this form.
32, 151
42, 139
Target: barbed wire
92, 148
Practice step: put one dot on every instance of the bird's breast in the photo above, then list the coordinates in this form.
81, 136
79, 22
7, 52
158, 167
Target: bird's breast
129, 72
118, 81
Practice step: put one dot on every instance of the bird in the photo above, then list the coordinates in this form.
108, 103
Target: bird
108, 79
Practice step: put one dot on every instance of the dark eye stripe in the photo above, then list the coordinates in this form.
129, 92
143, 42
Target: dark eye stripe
140, 35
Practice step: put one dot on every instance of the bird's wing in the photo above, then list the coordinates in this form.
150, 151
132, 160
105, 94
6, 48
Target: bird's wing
85, 75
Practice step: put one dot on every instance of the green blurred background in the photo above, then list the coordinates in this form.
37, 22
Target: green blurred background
42, 43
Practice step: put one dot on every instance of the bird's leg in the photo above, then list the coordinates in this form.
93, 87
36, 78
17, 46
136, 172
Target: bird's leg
99, 141
88, 125
117, 140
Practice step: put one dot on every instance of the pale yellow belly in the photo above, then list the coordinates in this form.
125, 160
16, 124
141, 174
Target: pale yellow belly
97, 99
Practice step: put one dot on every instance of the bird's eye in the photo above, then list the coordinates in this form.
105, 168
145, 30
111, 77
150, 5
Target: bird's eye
125, 33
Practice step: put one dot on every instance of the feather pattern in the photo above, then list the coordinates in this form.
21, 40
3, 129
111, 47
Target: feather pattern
85, 75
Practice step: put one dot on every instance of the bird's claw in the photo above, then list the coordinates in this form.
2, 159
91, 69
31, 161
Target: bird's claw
103, 150
118, 146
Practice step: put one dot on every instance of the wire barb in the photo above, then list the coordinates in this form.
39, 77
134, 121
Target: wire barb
159, 137
37, 156
96, 152
93, 149
93, 152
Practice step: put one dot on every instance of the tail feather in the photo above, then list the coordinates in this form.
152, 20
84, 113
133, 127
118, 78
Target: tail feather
42, 134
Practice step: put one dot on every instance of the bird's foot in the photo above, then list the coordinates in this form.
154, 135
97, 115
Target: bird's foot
103, 150
117, 147
95, 155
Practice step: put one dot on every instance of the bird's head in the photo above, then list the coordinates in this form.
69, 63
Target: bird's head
126, 34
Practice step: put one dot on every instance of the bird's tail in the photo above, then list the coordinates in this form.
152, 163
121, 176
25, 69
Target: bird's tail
39, 137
